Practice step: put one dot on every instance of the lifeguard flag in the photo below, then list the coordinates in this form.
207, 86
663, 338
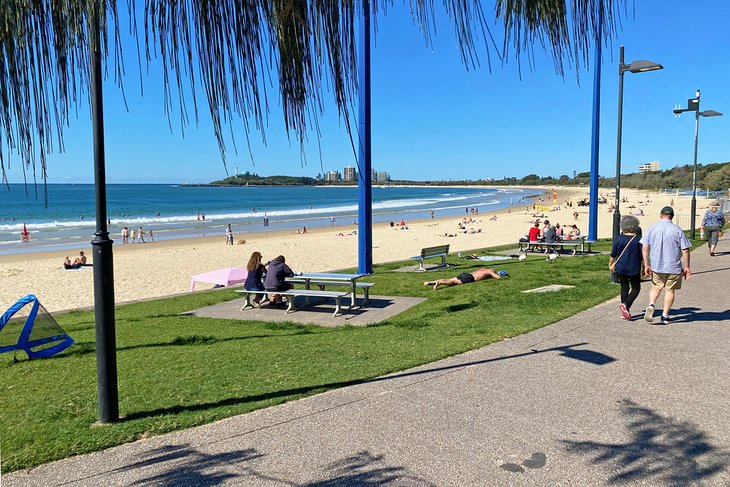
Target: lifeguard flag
555, 197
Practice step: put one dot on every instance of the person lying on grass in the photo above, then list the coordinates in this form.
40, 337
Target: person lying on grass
466, 278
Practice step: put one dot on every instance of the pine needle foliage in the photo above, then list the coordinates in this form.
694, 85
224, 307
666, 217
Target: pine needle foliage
228, 50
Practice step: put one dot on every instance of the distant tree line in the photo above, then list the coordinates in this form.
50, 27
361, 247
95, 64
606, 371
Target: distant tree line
713, 177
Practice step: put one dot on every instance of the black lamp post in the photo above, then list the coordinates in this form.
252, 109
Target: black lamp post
639, 66
693, 105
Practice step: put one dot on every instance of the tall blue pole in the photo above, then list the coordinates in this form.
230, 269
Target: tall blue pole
595, 139
364, 179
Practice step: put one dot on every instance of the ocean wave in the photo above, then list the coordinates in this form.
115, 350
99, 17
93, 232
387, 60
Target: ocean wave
394, 204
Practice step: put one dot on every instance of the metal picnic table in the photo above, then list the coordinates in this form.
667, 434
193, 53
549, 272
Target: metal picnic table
309, 278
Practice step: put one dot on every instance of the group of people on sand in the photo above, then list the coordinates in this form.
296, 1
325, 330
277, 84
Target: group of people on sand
136, 236
270, 277
77, 263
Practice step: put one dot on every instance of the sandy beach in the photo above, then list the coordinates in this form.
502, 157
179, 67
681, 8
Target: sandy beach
159, 269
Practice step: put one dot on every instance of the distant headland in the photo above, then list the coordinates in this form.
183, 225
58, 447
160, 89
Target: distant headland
709, 176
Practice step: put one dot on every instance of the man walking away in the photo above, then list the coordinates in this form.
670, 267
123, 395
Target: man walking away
665, 248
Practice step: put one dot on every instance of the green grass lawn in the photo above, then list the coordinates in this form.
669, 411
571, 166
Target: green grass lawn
180, 371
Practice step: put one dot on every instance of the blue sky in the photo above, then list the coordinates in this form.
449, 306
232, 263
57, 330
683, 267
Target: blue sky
434, 119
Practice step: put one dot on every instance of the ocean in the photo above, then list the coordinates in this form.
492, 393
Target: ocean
173, 211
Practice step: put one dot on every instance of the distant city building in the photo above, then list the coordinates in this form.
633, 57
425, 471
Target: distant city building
382, 176
349, 174
650, 167
373, 175
332, 176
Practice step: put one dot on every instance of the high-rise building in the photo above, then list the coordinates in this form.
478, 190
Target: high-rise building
373, 175
650, 167
383, 176
349, 174
332, 176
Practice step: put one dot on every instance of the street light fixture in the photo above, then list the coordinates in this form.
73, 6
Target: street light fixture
693, 105
639, 66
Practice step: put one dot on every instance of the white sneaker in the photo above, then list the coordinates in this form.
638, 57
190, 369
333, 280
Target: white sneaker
649, 313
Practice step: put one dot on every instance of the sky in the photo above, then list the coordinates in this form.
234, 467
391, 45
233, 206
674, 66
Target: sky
432, 119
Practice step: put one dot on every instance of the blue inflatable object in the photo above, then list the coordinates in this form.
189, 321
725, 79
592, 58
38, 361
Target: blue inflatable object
33, 339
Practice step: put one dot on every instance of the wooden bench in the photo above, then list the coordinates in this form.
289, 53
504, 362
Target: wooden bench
322, 283
292, 293
576, 244
432, 252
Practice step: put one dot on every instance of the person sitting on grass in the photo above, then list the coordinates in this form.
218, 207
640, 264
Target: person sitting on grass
466, 278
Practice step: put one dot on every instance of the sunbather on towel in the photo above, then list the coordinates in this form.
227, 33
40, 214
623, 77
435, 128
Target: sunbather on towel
466, 278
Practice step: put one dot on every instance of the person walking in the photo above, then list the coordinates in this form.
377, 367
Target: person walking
712, 224
665, 249
625, 261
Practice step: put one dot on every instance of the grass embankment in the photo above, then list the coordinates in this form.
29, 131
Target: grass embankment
180, 371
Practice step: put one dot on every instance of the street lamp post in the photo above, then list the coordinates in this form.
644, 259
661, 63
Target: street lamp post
639, 66
693, 105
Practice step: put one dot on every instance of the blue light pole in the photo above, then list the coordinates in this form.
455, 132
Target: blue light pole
595, 139
364, 159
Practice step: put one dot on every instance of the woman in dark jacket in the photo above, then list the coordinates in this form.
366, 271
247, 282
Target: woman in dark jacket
256, 271
625, 261
276, 276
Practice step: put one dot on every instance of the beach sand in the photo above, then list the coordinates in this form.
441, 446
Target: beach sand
143, 271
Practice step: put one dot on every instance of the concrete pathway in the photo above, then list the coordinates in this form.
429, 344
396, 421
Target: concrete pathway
591, 400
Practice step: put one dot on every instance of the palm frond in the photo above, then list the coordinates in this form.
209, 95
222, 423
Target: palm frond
230, 47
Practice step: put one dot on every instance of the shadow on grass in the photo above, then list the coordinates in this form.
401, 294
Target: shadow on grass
366, 469
660, 451
85, 348
569, 351
461, 307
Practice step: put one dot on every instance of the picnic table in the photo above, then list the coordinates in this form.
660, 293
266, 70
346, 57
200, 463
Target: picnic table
329, 278
578, 244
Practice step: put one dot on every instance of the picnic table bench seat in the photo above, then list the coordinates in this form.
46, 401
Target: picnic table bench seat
292, 293
432, 252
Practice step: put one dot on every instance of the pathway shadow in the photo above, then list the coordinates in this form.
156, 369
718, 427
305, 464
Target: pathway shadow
689, 314
565, 350
661, 451
711, 270
183, 465
365, 469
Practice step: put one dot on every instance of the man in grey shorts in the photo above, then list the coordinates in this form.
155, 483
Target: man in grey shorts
665, 248
465, 278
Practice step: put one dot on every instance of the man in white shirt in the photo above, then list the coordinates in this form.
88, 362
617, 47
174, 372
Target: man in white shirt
665, 248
